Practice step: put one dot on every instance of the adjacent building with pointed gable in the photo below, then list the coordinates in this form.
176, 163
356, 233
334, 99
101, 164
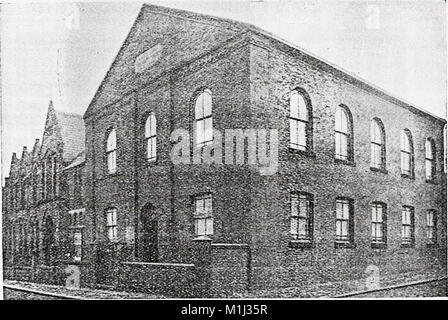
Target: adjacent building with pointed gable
360, 178
44, 184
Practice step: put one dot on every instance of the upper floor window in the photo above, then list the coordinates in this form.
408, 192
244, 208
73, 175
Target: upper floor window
302, 216
343, 134
203, 118
344, 220
111, 224
151, 137
203, 215
407, 154
430, 159
379, 227
377, 145
407, 226
431, 226
300, 127
111, 151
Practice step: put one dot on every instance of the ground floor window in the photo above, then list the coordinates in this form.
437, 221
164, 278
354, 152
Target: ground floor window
378, 212
301, 216
431, 226
203, 215
77, 244
407, 226
344, 220
111, 224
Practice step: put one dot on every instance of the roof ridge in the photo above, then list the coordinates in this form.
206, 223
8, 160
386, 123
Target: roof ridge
197, 16
253, 28
68, 113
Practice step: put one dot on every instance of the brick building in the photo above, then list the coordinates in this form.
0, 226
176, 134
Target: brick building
360, 177
43, 192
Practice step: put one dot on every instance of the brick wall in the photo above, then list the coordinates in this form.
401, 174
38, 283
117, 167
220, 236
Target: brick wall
274, 73
168, 279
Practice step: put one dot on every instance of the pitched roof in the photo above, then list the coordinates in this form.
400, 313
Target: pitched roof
72, 133
239, 27
80, 159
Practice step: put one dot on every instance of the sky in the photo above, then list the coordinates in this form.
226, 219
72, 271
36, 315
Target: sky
62, 51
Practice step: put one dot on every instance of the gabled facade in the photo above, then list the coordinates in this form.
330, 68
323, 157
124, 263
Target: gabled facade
147, 207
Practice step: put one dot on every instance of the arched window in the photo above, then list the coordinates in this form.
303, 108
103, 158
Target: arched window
430, 159
203, 118
377, 145
300, 127
407, 154
343, 134
151, 137
111, 151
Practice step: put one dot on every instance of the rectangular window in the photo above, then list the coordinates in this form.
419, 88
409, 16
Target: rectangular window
77, 244
301, 216
344, 220
379, 231
407, 226
111, 224
431, 226
203, 215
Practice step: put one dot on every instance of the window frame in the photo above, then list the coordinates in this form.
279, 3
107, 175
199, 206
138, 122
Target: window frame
431, 241
111, 225
308, 148
381, 167
112, 151
149, 136
410, 153
308, 239
408, 242
349, 159
77, 247
432, 160
206, 217
349, 241
198, 94
376, 241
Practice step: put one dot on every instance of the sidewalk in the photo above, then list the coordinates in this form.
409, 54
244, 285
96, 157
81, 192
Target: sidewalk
82, 293
335, 289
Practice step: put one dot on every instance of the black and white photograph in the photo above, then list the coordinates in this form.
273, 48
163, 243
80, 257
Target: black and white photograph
210, 150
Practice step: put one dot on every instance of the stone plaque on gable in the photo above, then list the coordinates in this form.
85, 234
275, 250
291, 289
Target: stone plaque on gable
148, 58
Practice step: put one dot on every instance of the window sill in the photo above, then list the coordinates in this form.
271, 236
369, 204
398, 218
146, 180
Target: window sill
407, 176
379, 245
307, 153
150, 163
202, 238
346, 162
340, 244
301, 244
407, 245
76, 227
382, 170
